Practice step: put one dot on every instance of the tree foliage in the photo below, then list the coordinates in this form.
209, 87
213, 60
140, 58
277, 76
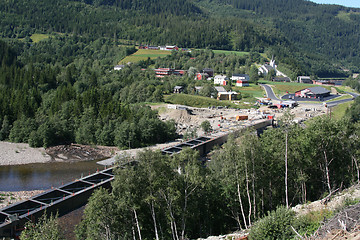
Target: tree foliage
46, 228
162, 197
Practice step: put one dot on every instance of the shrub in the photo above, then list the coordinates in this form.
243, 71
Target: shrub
310, 222
276, 225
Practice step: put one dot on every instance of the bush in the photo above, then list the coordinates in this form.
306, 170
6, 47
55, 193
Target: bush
310, 222
206, 126
276, 225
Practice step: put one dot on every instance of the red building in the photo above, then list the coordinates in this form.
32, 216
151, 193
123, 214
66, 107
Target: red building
242, 83
162, 72
202, 76
313, 92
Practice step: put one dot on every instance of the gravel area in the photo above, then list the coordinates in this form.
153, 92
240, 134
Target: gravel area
8, 198
21, 153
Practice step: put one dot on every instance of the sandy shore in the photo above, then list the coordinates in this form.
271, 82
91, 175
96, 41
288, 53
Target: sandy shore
21, 153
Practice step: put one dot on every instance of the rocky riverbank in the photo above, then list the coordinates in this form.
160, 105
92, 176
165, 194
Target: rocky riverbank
22, 153
8, 198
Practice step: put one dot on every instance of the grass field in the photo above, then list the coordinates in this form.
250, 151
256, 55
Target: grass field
338, 111
199, 101
143, 54
285, 69
231, 52
253, 91
345, 89
346, 96
38, 37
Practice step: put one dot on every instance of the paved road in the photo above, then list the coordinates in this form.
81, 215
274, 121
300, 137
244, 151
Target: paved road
334, 103
269, 92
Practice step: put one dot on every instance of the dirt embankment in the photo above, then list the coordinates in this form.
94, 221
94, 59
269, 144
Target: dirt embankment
77, 152
345, 224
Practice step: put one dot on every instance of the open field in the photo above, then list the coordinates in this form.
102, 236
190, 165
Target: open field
143, 54
252, 91
231, 52
285, 69
338, 111
346, 96
345, 89
199, 101
38, 37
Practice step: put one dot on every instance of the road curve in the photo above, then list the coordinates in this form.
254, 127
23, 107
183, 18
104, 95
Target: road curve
334, 103
269, 92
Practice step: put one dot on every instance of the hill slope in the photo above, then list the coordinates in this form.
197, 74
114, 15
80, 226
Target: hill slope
297, 32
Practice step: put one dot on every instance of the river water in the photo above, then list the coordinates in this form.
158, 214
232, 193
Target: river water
42, 176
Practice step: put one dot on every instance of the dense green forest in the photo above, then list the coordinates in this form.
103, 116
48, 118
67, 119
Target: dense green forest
58, 102
312, 39
328, 30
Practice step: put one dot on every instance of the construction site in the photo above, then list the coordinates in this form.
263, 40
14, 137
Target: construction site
189, 118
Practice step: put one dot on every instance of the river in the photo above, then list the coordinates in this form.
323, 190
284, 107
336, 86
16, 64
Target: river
42, 176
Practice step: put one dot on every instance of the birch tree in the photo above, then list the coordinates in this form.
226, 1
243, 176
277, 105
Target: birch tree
226, 166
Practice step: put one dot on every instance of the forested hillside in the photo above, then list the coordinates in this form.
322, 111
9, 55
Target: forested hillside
329, 30
312, 39
48, 86
68, 97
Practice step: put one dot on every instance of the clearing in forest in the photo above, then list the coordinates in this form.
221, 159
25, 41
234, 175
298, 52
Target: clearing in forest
144, 54
38, 37
231, 52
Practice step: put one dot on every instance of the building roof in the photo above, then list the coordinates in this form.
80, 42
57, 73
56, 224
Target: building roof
220, 76
268, 67
319, 90
240, 75
228, 93
203, 74
119, 66
220, 89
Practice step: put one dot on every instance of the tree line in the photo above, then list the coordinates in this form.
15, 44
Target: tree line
57, 103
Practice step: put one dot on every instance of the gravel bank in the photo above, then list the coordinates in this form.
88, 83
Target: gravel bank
21, 153
8, 198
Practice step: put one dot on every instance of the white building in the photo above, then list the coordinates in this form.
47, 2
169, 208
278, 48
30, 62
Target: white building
266, 68
119, 67
169, 48
221, 80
